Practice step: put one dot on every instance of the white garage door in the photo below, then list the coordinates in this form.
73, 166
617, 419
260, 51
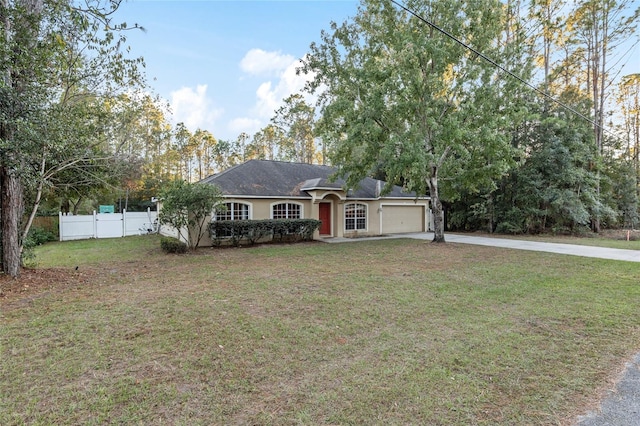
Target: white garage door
399, 219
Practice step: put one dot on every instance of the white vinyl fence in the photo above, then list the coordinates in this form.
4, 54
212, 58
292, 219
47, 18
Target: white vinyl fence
107, 225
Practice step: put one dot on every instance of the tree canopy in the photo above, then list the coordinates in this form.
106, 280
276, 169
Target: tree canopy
400, 97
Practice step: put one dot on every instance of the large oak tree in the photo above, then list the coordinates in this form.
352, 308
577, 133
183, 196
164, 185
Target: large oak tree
401, 98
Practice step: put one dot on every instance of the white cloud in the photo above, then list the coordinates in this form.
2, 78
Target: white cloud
194, 108
259, 62
269, 96
245, 124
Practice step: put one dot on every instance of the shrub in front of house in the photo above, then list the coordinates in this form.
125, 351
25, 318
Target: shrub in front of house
236, 232
172, 245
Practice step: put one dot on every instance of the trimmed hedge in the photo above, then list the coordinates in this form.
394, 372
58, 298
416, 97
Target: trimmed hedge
172, 245
252, 231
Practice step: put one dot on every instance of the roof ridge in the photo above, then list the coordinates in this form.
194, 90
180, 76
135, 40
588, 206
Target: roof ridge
208, 178
294, 163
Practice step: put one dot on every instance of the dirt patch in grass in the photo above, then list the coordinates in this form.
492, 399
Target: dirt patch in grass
36, 283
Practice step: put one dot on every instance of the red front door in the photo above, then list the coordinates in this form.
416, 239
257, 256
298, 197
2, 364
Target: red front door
325, 218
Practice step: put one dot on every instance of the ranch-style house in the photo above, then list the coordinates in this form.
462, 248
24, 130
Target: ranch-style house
264, 189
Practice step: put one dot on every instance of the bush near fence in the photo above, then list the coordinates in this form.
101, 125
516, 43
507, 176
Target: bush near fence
47, 223
236, 232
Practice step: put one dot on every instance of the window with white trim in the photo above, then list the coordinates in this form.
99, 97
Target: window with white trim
233, 211
355, 217
286, 211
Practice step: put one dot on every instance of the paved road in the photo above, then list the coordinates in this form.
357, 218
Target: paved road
621, 406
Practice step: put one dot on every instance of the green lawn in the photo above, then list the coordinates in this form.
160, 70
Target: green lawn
370, 332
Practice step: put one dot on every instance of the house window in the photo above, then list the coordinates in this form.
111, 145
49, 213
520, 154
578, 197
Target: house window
286, 211
233, 211
355, 217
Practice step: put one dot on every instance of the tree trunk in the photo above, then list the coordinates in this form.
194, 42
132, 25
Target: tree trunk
34, 208
436, 207
11, 188
12, 209
76, 206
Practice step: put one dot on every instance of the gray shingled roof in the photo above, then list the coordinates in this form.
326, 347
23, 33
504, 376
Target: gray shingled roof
265, 178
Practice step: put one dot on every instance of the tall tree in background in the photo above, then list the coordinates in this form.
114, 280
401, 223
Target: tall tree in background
242, 151
205, 144
295, 120
629, 102
155, 138
550, 36
553, 189
140, 138
44, 72
266, 142
227, 153
624, 169
183, 145
402, 97
600, 27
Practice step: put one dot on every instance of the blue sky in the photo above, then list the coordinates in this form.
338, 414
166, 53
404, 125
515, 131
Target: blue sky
225, 66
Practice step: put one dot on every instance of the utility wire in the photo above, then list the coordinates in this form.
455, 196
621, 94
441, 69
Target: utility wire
497, 65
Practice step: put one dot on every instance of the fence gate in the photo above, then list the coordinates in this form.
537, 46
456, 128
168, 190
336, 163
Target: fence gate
109, 225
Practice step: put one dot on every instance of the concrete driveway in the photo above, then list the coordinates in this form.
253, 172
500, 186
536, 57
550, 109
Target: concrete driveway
621, 405
569, 249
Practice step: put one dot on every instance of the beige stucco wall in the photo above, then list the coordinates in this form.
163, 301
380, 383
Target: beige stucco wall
375, 213
261, 209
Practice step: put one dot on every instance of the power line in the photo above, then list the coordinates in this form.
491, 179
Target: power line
497, 65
